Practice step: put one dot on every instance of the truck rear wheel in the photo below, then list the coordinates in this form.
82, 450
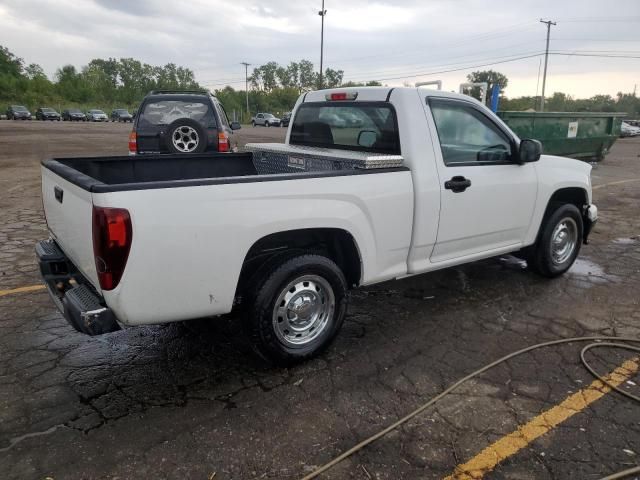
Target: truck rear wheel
559, 242
298, 308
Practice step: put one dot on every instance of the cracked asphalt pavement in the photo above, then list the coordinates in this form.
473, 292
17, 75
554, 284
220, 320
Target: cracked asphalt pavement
190, 400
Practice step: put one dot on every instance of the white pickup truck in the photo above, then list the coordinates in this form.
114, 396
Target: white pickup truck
154, 239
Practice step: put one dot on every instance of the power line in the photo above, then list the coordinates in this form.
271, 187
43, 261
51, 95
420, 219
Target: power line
460, 42
580, 54
468, 67
423, 74
600, 19
413, 74
420, 67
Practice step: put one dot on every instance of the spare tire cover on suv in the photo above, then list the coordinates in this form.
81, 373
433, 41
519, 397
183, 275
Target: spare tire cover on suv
186, 136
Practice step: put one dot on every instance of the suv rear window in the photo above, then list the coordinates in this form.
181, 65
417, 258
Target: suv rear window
164, 112
370, 126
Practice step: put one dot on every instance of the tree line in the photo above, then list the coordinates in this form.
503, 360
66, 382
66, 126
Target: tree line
274, 88
101, 83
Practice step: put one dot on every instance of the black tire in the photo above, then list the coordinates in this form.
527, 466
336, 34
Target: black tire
186, 123
540, 257
266, 336
253, 124
267, 124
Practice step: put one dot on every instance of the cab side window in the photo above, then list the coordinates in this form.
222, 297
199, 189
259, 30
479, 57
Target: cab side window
467, 136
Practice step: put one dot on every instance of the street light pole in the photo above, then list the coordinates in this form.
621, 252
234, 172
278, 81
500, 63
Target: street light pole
322, 13
546, 60
246, 84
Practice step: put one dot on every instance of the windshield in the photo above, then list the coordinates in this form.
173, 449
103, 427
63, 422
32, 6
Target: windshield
19, 108
74, 110
268, 115
122, 111
370, 126
47, 110
96, 111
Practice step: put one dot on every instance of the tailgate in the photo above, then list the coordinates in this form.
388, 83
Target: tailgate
69, 212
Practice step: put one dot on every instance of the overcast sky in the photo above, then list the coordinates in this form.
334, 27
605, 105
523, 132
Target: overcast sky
391, 41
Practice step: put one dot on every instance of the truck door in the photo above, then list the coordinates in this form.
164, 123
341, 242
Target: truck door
487, 199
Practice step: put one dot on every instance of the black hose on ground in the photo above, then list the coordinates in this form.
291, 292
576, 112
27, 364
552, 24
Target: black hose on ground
601, 341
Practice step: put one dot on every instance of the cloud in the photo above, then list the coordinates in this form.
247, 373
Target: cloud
368, 40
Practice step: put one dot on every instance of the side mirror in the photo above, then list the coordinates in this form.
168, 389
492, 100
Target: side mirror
366, 138
529, 151
235, 126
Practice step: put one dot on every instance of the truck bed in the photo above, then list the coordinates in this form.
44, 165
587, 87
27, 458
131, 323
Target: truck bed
111, 174
183, 230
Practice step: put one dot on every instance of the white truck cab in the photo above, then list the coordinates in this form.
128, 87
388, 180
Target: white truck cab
163, 238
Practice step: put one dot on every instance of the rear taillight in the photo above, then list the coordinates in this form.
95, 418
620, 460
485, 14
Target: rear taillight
223, 142
112, 235
133, 142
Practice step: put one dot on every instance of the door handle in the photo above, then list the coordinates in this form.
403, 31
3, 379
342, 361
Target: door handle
457, 184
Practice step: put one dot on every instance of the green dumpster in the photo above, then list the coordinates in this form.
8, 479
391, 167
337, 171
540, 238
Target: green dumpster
585, 135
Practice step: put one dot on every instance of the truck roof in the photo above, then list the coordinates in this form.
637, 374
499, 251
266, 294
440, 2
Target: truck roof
380, 94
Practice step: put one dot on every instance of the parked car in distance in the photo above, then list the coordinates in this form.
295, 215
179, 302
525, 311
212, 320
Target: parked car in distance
430, 180
628, 130
284, 121
46, 113
266, 120
170, 121
73, 115
121, 115
18, 112
96, 115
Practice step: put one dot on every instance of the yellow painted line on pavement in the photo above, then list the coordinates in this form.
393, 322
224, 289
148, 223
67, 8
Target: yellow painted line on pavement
511, 444
619, 182
31, 288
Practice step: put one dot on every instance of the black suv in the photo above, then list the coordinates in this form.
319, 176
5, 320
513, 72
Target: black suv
170, 121
18, 112
121, 115
45, 113
73, 115
286, 118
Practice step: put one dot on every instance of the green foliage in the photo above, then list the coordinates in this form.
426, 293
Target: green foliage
560, 102
297, 75
101, 83
123, 82
489, 76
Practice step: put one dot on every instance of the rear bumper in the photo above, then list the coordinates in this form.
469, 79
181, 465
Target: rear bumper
72, 294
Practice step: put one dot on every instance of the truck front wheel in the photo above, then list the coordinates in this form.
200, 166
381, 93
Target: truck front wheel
298, 308
559, 243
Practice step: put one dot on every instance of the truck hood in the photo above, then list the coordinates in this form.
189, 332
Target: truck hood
567, 163
555, 173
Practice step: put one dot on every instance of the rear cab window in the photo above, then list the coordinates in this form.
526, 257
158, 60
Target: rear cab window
362, 126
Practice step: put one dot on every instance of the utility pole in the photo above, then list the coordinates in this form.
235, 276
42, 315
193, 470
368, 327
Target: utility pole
246, 84
322, 13
546, 60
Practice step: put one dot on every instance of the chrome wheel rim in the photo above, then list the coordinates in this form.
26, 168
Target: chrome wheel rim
564, 239
185, 139
303, 310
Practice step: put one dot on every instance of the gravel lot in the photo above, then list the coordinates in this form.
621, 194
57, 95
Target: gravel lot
190, 401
